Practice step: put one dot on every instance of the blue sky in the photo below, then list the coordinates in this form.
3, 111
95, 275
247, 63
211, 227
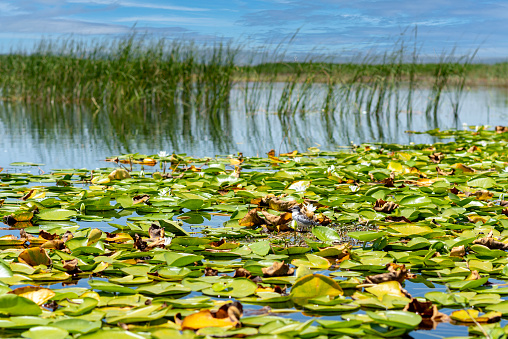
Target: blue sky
327, 26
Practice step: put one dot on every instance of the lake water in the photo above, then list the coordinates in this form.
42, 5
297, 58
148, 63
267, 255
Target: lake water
67, 136
75, 137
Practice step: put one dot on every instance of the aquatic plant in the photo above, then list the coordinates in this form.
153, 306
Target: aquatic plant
195, 250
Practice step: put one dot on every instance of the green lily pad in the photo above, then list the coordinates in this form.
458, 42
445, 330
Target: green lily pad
43, 332
11, 304
312, 286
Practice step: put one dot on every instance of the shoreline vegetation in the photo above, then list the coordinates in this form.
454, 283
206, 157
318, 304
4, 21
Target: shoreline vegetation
147, 73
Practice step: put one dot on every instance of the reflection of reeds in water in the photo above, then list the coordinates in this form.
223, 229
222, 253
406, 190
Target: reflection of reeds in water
187, 92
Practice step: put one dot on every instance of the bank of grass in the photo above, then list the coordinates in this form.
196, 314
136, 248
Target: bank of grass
477, 74
148, 73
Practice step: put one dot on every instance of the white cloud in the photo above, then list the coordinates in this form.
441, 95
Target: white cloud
139, 5
9, 9
174, 20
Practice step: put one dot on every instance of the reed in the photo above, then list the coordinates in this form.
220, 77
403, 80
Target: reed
147, 74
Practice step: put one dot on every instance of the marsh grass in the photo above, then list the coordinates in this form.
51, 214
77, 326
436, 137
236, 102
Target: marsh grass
139, 74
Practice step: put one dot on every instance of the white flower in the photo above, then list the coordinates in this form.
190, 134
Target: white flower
162, 154
299, 186
365, 163
297, 159
167, 241
331, 171
505, 169
165, 192
310, 208
354, 188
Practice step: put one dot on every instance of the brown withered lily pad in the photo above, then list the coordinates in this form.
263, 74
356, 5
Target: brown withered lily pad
156, 232
56, 244
276, 220
228, 315
445, 173
388, 182
242, 273
458, 251
483, 195
501, 129
322, 219
139, 243
274, 202
138, 199
429, 313
278, 269
473, 149
71, 266
67, 236
210, 272
397, 219
48, 236
252, 219
491, 243
385, 206
396, 273
454, 190
436, 157
35, 256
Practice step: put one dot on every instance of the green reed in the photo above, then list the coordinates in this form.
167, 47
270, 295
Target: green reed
174, 77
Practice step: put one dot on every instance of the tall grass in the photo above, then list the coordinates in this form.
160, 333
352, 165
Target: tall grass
133, 71
143, 74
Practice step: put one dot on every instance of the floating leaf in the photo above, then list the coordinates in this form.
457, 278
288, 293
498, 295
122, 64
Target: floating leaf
56, 214
406, 320
227, 316
44, 332
312, 286
11, 304
119, 174
35, 256
326, 234
38, 295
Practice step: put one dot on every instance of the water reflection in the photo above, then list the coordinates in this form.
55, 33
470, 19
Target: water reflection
255, 119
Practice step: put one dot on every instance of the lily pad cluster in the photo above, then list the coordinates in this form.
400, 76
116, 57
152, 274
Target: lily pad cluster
176, 246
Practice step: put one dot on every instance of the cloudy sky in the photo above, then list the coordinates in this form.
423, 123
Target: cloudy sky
331, 26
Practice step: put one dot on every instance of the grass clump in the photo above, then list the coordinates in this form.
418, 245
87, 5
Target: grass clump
147, 73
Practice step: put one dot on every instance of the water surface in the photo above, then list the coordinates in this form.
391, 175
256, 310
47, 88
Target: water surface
71, 136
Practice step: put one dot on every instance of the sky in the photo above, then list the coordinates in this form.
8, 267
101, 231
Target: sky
332, 27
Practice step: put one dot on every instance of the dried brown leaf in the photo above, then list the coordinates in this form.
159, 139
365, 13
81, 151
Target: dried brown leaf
46, 235
385, 206
278, 269
56, 244
139, 243
491, 243
276, 220
501, 129
156, 231
397, 219
210, 272
252, 219
458, 251
436, 157
242, 273
138, 199
441, 172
